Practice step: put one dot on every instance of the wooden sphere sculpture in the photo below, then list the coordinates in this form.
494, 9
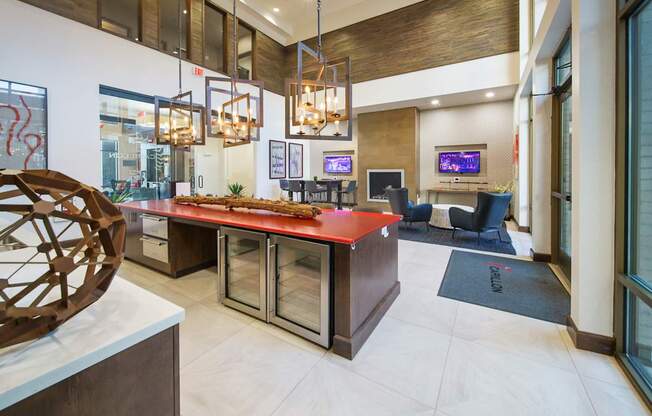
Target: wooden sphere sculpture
61, 243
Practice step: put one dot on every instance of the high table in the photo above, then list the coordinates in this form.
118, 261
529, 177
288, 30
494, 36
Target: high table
118, 357
360, 250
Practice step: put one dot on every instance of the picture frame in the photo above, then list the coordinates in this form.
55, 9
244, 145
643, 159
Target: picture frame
23, 126
277, 160
295, 157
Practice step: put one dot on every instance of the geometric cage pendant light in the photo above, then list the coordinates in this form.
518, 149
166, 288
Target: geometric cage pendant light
318, 98
176, 120
234, 106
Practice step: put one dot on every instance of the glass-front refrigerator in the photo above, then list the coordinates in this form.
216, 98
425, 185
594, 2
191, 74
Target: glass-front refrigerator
299, 287
243, 277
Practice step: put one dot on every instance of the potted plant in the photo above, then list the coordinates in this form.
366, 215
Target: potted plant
236, 189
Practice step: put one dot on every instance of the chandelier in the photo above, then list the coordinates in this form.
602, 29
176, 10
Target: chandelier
234, 106
176, 119
318, 99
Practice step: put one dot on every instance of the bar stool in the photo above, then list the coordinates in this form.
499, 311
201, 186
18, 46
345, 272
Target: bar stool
351, 189
313, 189
293, 186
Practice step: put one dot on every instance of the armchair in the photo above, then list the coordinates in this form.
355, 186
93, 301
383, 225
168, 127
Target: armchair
489, 214
398, 200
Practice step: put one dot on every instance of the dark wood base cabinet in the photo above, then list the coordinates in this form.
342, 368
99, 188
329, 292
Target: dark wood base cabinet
366, 285
142, 380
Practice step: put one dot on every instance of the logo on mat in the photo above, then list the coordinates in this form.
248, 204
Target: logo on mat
495, 277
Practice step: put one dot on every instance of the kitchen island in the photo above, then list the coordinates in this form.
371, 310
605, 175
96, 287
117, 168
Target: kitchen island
329, 279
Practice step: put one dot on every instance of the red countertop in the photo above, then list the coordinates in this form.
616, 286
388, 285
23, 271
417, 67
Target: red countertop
345, 227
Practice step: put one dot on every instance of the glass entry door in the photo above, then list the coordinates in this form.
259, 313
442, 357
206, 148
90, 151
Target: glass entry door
299, 282
242, 262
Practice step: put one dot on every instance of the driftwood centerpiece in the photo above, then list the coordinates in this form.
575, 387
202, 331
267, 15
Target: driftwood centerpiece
230, 202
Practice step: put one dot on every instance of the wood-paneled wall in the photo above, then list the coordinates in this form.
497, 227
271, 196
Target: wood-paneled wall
388, 140
196, 30
421, 36
149, 22
269, 59
83, 11
425, 35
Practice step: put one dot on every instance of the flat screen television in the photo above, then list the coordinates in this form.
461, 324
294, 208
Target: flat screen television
338, 165
459, 162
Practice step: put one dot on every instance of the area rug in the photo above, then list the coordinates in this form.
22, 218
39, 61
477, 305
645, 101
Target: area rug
523, 287
463, 239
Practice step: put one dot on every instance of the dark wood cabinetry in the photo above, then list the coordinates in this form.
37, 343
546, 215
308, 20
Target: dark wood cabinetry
185, 249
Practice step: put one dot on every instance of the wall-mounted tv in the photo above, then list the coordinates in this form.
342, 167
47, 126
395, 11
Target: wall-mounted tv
338, 165
459, 162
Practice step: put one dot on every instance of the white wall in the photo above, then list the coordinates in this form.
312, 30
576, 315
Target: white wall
477, 74
320, 146
72, 60
593, 159
488, 124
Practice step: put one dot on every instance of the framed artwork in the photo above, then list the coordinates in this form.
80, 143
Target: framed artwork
276, 159
23, 126
295, 152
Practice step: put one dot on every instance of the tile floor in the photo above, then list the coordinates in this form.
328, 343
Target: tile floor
429, 356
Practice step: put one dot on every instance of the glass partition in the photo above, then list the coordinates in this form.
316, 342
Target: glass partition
120, 17
133, 166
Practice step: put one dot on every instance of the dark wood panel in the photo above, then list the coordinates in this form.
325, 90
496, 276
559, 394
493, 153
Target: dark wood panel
149, 21
141, 380
366, 284
269, 59
589, 341
192, 247
83, 11
425, 35
196, 39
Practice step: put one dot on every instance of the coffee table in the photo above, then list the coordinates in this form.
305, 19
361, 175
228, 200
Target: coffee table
440, 217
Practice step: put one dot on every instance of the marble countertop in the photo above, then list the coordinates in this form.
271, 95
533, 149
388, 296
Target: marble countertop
123, 317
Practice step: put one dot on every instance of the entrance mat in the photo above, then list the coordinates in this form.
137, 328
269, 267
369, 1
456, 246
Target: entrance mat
463, 239
523, 287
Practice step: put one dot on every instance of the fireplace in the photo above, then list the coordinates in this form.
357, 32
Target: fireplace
379, 179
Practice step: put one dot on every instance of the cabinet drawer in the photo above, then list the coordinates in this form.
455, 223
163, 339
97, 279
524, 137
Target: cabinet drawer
155, 248
155, 226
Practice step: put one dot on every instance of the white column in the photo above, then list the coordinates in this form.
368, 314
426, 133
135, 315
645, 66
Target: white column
593, 158
521, 197
541, 160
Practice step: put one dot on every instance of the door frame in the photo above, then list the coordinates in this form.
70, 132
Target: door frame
561, 93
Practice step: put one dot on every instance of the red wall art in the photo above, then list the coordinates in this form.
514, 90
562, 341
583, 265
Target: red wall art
23, 126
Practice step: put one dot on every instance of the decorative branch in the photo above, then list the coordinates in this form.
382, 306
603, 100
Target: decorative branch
231, 202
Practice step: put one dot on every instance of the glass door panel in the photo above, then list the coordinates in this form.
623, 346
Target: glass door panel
565, 176
243, 271
300, 287
640, 336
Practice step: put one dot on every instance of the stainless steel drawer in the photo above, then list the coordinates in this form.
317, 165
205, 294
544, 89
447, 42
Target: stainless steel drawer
155, 248
155, 226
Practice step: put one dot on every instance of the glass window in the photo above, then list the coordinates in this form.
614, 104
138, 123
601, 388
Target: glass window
637, 332
23, 126
121, 18
640, 137
133, 167
170, 17
213, 38
563, 63
245, 49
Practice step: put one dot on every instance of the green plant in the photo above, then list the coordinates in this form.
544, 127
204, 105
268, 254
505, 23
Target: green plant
236, 189
119, 197
504, 188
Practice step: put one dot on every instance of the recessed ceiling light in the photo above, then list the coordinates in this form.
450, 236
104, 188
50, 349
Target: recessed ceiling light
185, 11
276, 9
434, 102
490, 94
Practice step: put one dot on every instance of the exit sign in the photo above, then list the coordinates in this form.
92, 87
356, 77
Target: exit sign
197, 71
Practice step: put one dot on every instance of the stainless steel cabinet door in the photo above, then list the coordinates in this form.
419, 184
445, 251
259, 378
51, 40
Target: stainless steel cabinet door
243, 283
299, 287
